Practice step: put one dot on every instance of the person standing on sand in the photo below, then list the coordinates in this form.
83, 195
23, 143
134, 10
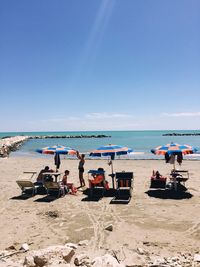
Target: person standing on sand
81, 168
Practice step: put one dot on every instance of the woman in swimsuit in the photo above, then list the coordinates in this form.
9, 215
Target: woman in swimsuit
81, 168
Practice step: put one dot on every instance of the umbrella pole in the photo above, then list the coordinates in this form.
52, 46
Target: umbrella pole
112, 167
175, 182
112, 174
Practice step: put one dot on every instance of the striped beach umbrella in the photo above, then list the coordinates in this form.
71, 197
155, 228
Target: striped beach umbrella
112, 151
57, 150
174, 149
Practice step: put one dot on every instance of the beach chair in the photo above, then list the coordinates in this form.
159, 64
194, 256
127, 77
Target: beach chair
124, 182
54, 187
158, 183
178, 179
26, 184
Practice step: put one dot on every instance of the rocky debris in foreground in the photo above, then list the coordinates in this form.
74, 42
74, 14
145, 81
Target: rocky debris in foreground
71, 255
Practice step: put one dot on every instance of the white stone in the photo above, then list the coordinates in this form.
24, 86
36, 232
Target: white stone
174, 259
133, 259
159, 261
29, 261
25, 247
106, 261
141, 251
10, 263
81, 259
71, 245
83, 243
197, 257
59, 265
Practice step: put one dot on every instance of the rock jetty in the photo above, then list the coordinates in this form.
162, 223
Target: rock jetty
68, 136
12, 143
181, 134
9, 144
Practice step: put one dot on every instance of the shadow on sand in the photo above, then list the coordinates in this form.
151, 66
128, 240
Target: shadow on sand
47, 199
169, 194
22, 197
99, 193
28, 193
122, 199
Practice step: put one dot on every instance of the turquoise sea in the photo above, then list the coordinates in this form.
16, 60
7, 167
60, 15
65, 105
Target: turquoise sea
140, 141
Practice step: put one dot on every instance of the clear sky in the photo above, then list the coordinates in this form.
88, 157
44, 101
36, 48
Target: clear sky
99, 65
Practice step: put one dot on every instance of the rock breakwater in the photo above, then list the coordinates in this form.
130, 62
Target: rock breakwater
181, 134
68, 136
9, 144
12, 143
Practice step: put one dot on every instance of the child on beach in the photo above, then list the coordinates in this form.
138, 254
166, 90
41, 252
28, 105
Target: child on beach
67, 185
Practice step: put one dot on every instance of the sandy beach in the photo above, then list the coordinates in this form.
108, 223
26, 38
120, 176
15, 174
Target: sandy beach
160, 226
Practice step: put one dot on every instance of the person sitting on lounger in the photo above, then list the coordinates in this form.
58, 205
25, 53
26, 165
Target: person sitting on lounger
68, 186
47, 178
97, 178
158, 180
156, 175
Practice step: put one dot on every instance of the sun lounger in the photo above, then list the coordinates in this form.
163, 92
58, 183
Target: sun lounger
180, 175
158, 182
54, 187
25, 182
124, 182
177, 177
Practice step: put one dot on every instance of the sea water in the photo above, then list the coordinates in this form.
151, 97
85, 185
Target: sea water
140, 141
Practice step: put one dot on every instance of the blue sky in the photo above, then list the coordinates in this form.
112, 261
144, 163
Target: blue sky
99, 65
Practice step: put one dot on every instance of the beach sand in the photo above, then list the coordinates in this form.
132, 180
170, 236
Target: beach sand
152, 223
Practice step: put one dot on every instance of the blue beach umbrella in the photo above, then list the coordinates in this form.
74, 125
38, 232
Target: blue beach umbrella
57, 151
112, 151
173, 149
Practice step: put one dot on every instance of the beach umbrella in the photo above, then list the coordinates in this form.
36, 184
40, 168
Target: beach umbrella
173, 149
57, 151
111, 151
